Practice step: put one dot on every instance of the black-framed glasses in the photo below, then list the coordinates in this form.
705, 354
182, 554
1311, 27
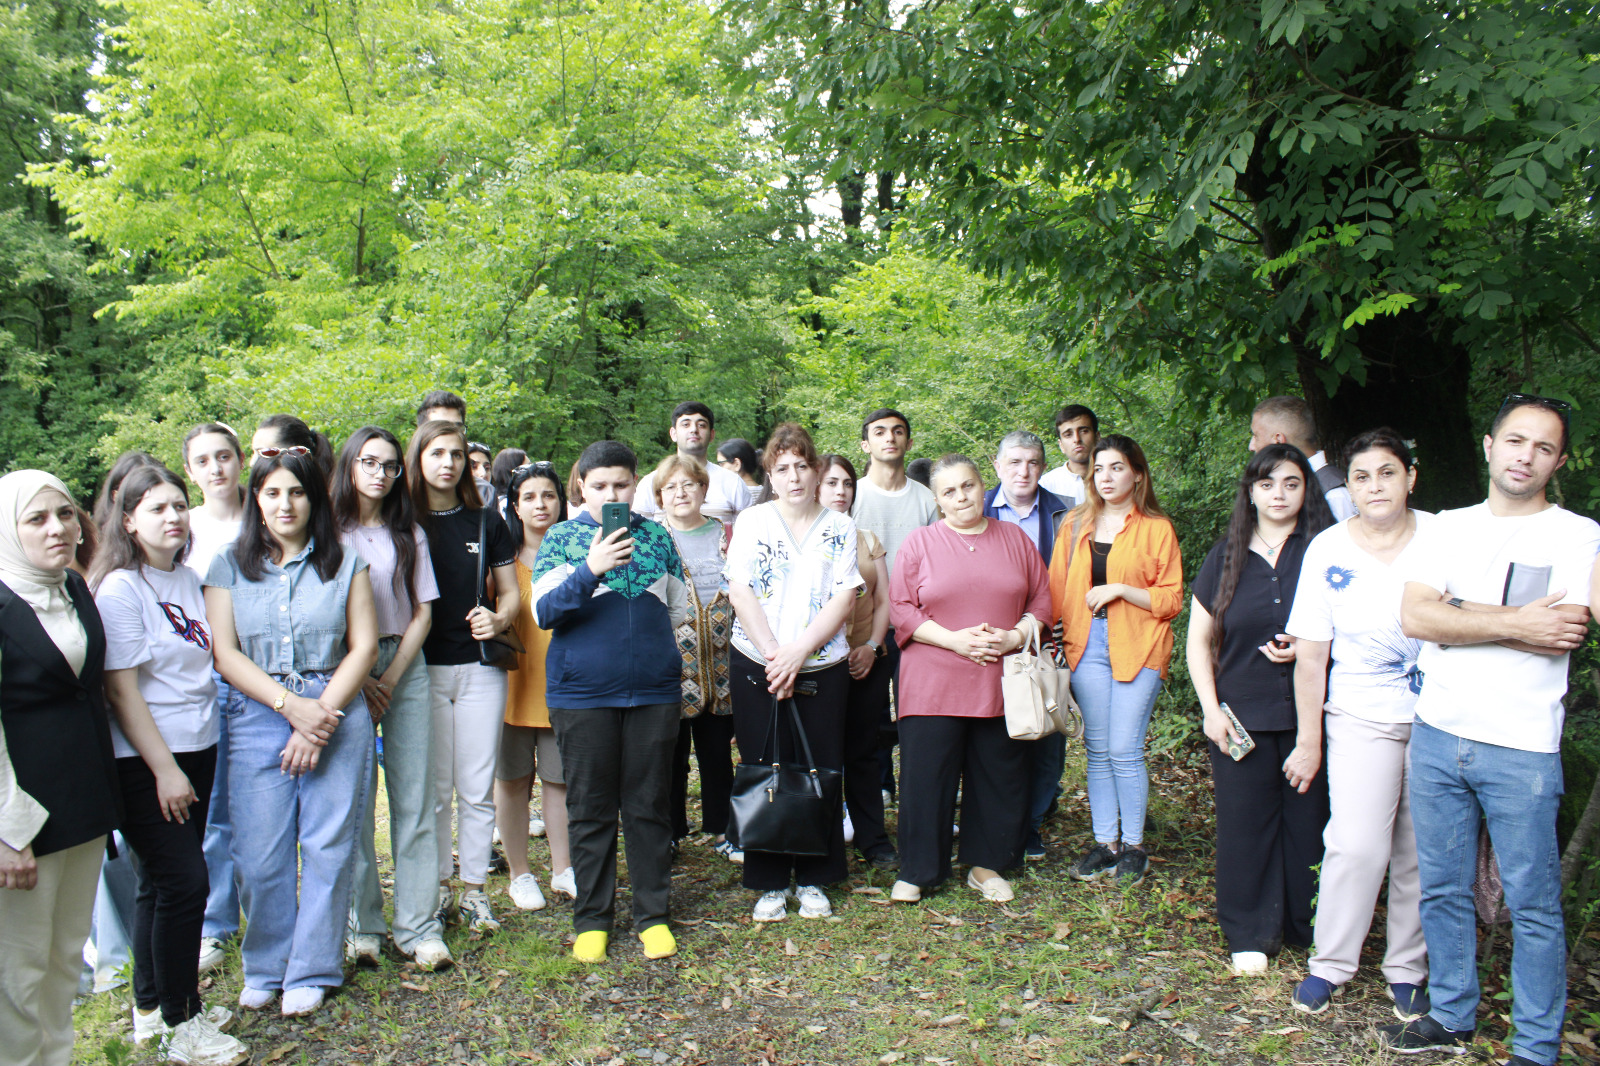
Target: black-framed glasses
391, 468
1560, 408
293, 449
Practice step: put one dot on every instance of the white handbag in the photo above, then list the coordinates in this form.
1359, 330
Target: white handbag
1037, 692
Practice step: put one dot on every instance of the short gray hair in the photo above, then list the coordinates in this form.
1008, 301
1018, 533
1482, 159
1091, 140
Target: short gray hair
1019, 438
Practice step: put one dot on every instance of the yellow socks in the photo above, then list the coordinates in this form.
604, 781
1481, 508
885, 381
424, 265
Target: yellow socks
591, 946
658, 942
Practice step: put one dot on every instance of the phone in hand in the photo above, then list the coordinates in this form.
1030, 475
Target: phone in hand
613, 516
1237, 749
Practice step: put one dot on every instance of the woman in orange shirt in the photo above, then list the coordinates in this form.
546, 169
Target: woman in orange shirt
1116, 583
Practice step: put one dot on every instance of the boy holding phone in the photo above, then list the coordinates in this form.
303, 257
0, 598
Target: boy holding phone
607, 584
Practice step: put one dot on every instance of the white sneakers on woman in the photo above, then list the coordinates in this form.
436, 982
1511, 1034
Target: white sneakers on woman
773, 906
430, 954
565, 882
1249, 962
813, 902
298, 1001
525, 893
197, 1042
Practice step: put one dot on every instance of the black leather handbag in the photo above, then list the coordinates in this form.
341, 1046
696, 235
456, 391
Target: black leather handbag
789, 809
502, 649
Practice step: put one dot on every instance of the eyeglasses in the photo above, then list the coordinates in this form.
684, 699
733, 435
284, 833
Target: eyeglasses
391, 469
272, 453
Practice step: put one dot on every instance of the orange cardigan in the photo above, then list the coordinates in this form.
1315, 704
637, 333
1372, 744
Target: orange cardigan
1144, 555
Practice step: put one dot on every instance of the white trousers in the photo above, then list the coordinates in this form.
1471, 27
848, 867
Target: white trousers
42, 932
469, 706
1369, 832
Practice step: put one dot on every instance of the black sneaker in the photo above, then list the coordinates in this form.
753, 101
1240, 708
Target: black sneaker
1131, 866
886, 859
1100, 861
1424, 1034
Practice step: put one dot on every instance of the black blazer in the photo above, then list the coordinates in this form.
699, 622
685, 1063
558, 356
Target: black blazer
58, 728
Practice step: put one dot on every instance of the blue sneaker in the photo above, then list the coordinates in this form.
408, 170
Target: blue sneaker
1313, 995
1410, 1001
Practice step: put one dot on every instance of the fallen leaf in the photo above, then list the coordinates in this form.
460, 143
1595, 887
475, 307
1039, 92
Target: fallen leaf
952, 1019
816, 1030
1285, 1031
1095, 1019
413, 987
1063, 930
1132, 1056
867, 891
891, 1058
789, 948
280, 1051
1169, 999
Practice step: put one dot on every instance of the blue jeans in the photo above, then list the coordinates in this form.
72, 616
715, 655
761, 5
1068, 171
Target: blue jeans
408, 778
294, 932
222, 905
1453, 782
1116, 717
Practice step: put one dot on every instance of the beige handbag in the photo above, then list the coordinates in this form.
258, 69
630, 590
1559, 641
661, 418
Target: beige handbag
1037, 692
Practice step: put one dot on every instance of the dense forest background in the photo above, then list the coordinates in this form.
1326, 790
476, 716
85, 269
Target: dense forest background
576, 213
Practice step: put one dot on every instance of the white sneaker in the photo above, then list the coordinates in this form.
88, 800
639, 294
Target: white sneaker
363, 949
475, 912
431, 954
255, 998
849, 829
298, 1001
565, 882
211, 953
1246, 962
199, 1043
996, 890
905, 892
814, 902
446, 914
888, 800
771, 907
535, 826
147, 1025
524, 892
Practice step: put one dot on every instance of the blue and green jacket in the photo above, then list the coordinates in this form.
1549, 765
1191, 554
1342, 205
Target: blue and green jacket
612, 639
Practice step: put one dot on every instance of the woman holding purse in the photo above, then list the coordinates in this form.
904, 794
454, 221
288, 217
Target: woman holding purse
792, 577
1116, 583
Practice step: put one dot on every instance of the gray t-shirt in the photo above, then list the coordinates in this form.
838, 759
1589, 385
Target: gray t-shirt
893, 515
701, 550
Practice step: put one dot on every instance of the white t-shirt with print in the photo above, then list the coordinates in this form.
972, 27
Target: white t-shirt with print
1487, 692
793, 580
157, 622
726, 496
1351, 598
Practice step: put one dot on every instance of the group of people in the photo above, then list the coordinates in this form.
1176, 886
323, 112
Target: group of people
212, 682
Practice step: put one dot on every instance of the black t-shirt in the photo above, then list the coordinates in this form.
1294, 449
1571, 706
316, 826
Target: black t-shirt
1259, 691
453, 544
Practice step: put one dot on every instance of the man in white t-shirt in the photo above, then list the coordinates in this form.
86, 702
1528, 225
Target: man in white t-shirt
1077, 430
693, 429
1287, 420
1499, 593
888, 503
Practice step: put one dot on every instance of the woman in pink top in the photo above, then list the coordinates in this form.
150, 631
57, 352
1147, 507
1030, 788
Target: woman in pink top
958, 596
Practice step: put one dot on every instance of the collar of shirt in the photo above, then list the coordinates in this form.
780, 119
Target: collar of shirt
1005, 509
1317, 460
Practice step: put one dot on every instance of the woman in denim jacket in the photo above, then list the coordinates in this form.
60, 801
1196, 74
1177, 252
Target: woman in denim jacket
295, 632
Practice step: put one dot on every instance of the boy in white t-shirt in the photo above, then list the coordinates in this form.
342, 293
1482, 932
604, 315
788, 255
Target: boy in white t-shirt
1499, 594
693, 430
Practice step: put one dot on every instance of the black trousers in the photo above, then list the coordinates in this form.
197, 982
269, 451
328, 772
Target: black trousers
1269, 839
712, 738
823, 715
866, 709
888, 728
170, 909
938, 753
618, 764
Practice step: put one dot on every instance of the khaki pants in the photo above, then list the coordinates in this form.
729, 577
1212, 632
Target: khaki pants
1368, 833
42, 932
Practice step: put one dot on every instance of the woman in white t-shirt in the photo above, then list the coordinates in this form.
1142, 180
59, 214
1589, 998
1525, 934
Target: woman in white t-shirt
1347, 606
792, 578
164, 732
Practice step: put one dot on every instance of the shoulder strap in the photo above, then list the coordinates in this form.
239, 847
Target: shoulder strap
483, 550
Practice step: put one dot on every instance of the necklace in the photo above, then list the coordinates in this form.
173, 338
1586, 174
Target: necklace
969, 538
1272, 549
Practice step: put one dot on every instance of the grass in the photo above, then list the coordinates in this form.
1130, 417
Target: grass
1068, 973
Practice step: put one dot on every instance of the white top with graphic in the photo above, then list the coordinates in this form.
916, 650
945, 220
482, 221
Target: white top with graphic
793, 579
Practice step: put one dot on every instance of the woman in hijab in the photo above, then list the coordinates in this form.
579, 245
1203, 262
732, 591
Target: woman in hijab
58, 785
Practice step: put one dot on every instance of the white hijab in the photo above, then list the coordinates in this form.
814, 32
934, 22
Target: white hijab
43, 590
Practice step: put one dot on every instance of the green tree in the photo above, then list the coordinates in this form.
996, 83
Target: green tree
1364, 198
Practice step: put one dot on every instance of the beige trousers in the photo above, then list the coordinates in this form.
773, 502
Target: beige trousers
42, 932
1368, 832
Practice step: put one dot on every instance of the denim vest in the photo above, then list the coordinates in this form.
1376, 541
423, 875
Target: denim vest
291, 621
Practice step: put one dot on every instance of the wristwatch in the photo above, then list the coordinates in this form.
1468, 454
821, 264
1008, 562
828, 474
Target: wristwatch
1455, 601
283, 698
878, 650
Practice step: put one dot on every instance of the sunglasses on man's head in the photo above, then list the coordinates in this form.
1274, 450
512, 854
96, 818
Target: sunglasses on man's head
1527, 399
293, 449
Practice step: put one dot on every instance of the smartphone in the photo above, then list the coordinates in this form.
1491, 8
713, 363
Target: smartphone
1237, 749
613, 516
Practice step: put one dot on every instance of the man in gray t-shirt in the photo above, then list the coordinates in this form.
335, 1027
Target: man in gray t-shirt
888, 503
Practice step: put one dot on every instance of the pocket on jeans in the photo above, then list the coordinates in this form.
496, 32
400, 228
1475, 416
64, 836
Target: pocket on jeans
233, 701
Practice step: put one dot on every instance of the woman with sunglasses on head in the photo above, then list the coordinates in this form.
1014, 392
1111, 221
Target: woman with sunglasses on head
59, 795
212, 457
468, 695
534, 502
295, 632
276, 434
164, 731
376, 519
1269, 833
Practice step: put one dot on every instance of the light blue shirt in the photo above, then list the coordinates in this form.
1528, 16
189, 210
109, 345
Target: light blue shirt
290, 621
1028, 522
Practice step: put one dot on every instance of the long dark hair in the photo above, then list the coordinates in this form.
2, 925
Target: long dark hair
399, 514
292, 432
528, 472
105, 505
1314, 517
504, 463
742, 450
466, 485
255, 545
121, 550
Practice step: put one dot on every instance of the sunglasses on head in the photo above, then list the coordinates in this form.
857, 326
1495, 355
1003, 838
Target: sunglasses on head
293, 449
1560, 408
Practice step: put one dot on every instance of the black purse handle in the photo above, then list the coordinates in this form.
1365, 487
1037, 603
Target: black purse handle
799, 732
483, 551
